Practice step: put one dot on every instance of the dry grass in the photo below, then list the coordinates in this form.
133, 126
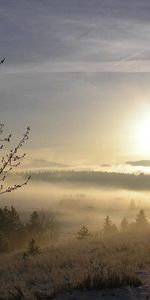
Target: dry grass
90, 264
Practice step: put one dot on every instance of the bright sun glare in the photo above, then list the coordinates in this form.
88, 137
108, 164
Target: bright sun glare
142, 136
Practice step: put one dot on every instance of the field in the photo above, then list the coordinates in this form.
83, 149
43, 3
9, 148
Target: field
80, 248
85, 265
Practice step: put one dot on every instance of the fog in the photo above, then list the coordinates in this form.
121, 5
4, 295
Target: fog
76, 204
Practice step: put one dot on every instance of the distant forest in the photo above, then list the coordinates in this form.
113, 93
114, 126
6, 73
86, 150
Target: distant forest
140, 182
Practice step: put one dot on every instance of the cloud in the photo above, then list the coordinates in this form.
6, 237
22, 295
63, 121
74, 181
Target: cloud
139, 163
55, 78
124, 65
73, 31
105, 165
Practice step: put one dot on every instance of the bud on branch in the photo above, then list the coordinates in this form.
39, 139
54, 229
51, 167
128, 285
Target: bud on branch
11, 160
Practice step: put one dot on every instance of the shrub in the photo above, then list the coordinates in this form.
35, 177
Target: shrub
83, 233
33, 248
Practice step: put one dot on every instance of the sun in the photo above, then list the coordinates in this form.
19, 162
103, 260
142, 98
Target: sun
142, 136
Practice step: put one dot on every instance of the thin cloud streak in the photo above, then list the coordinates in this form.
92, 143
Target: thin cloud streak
125, 66
139, 163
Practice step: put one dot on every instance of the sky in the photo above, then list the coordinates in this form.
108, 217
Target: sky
78, 73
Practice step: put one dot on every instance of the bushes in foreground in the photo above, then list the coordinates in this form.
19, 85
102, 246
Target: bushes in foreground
94, 263
111, 259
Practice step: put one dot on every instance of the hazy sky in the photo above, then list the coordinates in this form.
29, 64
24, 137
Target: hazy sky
77, 71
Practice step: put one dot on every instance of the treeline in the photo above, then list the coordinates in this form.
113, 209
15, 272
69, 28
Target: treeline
141, 224
94, 178
15, 233
43, 227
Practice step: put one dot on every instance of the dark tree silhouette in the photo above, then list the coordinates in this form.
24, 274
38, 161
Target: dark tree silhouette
9, 220
4, 243
141, 220
108, 227
11, 160
124, 224
33, 248
35, 223
83, 233
48, 224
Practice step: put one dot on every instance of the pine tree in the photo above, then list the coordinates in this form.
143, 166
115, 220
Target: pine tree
141, 220
14, 219
9, 220
4, 243
124, 224
33, 248
108, 227
132, 205
49, 224
35, 223
83, 233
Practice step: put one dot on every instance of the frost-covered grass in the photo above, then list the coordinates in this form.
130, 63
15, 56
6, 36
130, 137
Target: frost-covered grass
94, 263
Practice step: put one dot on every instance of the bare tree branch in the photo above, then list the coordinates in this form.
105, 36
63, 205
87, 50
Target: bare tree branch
11, 160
